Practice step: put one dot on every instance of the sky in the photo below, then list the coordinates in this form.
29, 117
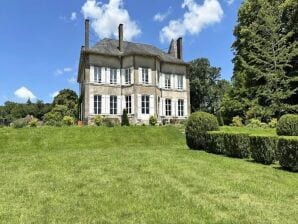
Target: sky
40, 40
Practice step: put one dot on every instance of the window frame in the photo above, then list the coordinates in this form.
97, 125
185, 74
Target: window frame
113, 76
97, 74
180, 82
180, 107
127, 76
167, 81
97, 100
145, 75
145, 104
168, 105
113, 104
128, 103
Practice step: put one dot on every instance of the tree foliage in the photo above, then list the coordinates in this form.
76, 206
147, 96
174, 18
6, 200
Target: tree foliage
68, 98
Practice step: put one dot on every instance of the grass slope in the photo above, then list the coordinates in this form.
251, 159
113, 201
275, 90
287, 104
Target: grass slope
134, 175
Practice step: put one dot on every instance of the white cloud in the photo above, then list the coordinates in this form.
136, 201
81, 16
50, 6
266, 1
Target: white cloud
24, 93
230, 2
68, 69
62, 71
54, 94
73, 16
105, 19
72, 80
196, 18
159, 17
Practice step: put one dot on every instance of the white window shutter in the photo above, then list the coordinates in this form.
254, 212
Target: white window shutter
132, 103
151, 105
185, 108
132, 75
139, 105
107, 104
172, 81
176, 107
123, 103
103, 104
122, 77
162, 80
119, 111
150, 76
103, 75
108, 73
91, 73
175, 82
184, 82
91, 104
140, 75
163, 107
118, 76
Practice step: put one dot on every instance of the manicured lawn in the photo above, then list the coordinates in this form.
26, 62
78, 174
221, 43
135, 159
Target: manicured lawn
134, 175
247, 130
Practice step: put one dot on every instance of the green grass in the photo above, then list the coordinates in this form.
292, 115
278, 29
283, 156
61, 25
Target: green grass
247, 130
134, 175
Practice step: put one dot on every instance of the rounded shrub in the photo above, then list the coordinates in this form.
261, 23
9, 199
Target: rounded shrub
288, 125
288, 153
33, 123
237, 121
98, 120
263, 148
153, 120
196, 129
68, 120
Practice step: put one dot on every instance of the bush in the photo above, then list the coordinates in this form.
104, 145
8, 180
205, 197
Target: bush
237, 121
272, 123
19, 123
68, 120
124, 120
236, 145
98, 121
33, 123
288, 149
263, 149
254, 123
215, 142
153, 120
287, 125
55, 116
196, 129
111, 122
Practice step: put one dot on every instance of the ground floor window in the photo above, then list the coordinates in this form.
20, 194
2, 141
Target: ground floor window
128, 104
97, 104
180, 107
113, 104
145, 104
168, 107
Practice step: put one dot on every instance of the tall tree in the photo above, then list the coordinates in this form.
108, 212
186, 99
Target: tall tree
68, 98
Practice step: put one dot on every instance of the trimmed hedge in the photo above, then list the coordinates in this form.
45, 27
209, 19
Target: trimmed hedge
287, 125
215, 142
196, 129
236, 145
288, 149
263, 148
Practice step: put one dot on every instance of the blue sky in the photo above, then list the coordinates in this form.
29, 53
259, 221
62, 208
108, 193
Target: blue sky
41, 40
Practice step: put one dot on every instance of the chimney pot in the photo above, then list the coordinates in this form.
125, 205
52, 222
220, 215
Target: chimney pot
120, 30
87, 34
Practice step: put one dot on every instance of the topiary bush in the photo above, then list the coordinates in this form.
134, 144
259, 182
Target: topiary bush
288, 125
196, 129
263, 149
124, 120
288, 150
236, 145
215, 142
153, 120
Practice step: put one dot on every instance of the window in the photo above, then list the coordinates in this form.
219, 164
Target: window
167, 81
113, 76
127, 77
97, 74
145, 104
97, 104
128, 104
180, 81
180, 107
145, 76
168, 107
113, 104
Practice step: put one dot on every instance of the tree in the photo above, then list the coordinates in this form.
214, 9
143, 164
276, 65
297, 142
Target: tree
68, 98
124, 120
206, 88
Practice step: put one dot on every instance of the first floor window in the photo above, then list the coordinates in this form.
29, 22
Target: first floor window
145, 104
145, 76
97, 74
168, 107
128, 104
127, 77
168, 81
97, 104
113, 104
180, 81
180, 107
113, 76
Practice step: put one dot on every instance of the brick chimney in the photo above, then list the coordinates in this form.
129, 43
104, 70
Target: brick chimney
120, 30
179, 48
87, 34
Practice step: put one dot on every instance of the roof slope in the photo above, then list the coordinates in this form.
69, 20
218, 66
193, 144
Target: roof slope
110, 46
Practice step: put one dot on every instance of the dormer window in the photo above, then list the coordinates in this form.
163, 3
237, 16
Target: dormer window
180, 81
167, 81
113, 76
145, 76
97, 74
127, 77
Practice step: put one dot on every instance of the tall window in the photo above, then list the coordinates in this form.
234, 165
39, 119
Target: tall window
97, 74
97, 104
145, 104
127, 76
145, 76
180, 81
180, 107
113, 76
128, 104
168, 107
168, 81
113, 104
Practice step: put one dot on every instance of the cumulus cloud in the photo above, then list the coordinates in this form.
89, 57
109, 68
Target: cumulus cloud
73, 16
62, 71
196, 18
72, 80
54, 94
24, 93
159, 17
230, 2
105, 19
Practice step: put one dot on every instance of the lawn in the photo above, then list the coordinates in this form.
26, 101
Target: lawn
134, 175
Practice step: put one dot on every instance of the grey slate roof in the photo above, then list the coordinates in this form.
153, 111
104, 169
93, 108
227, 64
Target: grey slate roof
110, 46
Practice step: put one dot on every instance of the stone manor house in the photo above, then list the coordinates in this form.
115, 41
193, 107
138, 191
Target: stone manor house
115, 75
